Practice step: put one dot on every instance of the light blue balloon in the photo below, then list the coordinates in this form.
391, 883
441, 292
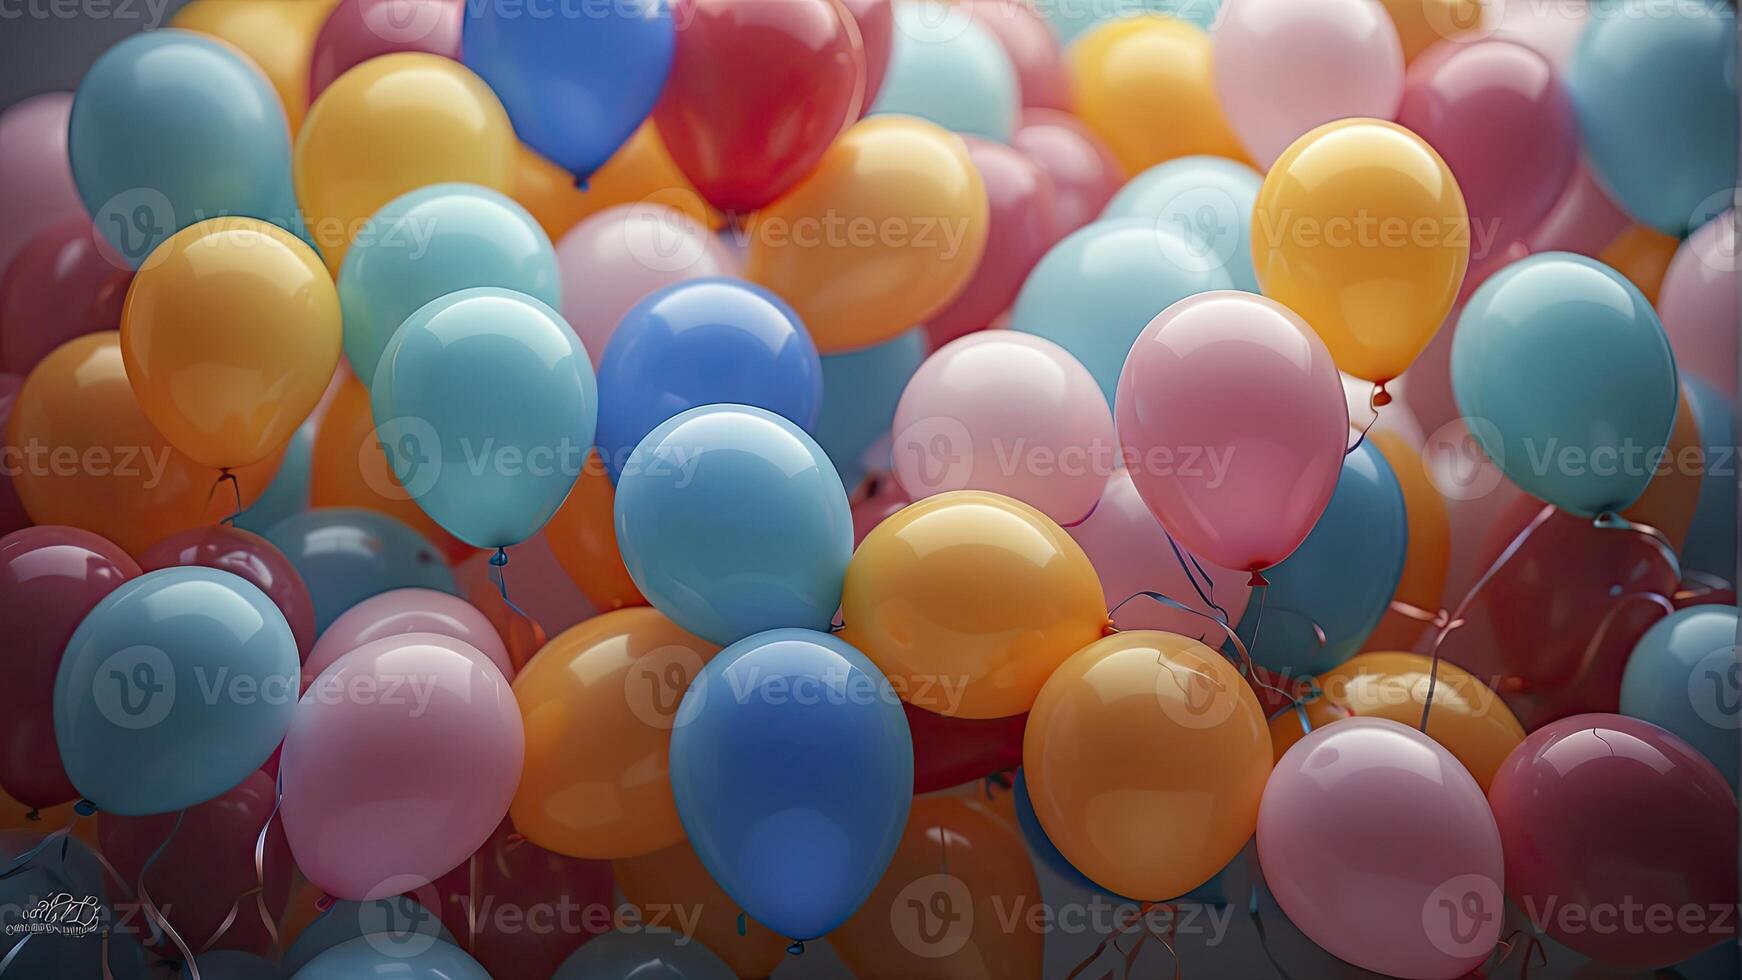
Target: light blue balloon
431, 242
1685, 675
365, 958
944, 66
396, 923
1097, 290
36, 869
1071, 18
1341, 577
288, 493
1711, 541
792, 769
651, 954
1566, 379
347, 554
860, 391
174, 688
170, 128
1207, 201
732, 521
1654, 85
485, 404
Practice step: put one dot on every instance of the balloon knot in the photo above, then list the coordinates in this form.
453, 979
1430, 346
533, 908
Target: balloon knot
797, 948
580, 183
84, 808
1107, 627
1257, 579
323, 903
500, 558
1381, 397
33, 814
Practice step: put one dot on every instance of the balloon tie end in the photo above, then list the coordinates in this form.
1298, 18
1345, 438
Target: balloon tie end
500, 558
1257, 580
84, 808
796, 949
33, 815
741, 924
1381, 397
323, 903
580, 183
1107, 627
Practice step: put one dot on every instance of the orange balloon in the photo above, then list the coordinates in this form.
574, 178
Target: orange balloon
1146, 755
1423, 23
277, 35
675, 878
1286, 728
968, 600
1428, 552
942, 910
641, 171
583, 536
881, 235
87, 456
1673, 494
1642, 255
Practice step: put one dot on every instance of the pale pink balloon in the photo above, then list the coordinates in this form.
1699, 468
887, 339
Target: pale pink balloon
1284, 67
1583, 220
1551, 28
401, 760
1698, 303
403, 611
1033, 49
358, 30
1234, 426
38, 187
1085, 174
1022, 214
1007, 412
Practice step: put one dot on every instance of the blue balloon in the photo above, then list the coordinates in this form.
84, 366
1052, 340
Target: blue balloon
431, 242
367, 957
1341, 578
35, 870
860, 391
1685, 675
704, 342
651, 954
347, 554
174, 688
576, 84
1071, 18
1711, 542
288, 493
1721, 962
1566, 379
396, 923
485, 404
1654, 86
946, 67
792, 768
1205, 200
1097, 290
732, 521
170, 128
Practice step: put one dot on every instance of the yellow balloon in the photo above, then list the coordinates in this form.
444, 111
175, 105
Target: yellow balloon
1361, 229
883, 233
641, 171
1423, 23
230, 334
278, 35
1145, 86
391, 125
968, 600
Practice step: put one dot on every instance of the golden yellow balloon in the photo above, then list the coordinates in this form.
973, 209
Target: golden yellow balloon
391, 125
1427, 555
1423, 23
883, 233
277, 35
1361, 229
1145, 86
231, 332
968, 600
641, 171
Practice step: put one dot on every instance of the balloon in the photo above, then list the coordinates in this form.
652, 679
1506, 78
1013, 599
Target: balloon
1227, 400
404, 611
1085, 173
951, 751
967, 601
1684, 676
347, 554
609, 64
229, 964
1371, 786
277, 38
545, 603
1671, 498
1208, 200
50, 578
39, 186
431, 242
1144, 730
142, 733
1655, 90
798, 80
860, 392
171, 128
704, 342
1427, 552
882, 499
1711, 543
1032, 48
487, 404
1584, 219
250, 557
12, 515
880, 236
1145, 85
358, 30
1361, 229
799, 855
875, 20
59, 286
649, 952
363, 957
1643, 256
288, 493
583, 537
1072, 20
389, 126
1525, 350
640, 172
68, 874
949, 68
779, 562
1421, 24
1095, 291
1022, 226
1576, 862
1041, 849
400, 924
1698, 302
665, 879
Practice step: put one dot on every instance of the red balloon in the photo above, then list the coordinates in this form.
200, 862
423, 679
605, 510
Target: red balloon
12, 515
797, 71
249, 555
50, 577
951, 751
884, 498
1617, 836
1033, 49
876, 20
358, 30
59, 286
1085, 174
1023, 215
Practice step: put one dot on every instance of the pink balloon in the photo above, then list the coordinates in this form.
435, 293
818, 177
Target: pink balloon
358, 30
1284, 67
876, 20
1085, 174
886, 497
1033, 49
1379, 846
60, 285
1698, 303
1583, 220
1007, 412
12, 515
1024, 215
403, 611
1551, 28
39, 182
615, 258
401, 760
1234, 425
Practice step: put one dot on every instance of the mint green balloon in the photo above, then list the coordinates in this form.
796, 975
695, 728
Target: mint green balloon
946, 68
1071, 18
1207, 200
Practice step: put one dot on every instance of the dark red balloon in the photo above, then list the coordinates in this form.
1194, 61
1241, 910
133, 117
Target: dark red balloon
59, 286
50, 577
1085, 174
12, 514
250, 556
797, 71
876, 20
1620, 840
951, 751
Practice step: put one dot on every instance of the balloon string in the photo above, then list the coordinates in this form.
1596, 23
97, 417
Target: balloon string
1079, 522
1700, 585
1207, 591
1532, 948
1247, 668
258, 892
1657, 539
1373, 405
81, 809
472, 904
225, 476
742, 930
1166, 941
499, 576
151, 910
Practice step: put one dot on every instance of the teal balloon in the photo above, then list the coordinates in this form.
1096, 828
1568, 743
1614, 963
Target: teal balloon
1711, 541
170, 128
944, 66
1097, 290
485, 404
173, 689
1071, 18
396, 923
366, 958
860, 391
347, 554
288, 493
1206, 200
431, 242
1563, 373
35, 869
732, 521
649, 954
1654, 86
1685, 675
1340, 579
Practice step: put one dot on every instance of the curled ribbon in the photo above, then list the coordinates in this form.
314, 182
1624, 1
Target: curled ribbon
153, 913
